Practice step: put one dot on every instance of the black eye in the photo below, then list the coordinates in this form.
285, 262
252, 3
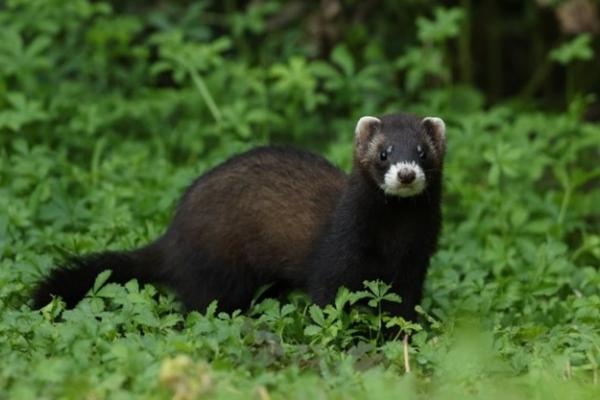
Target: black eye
421, 152
385, 153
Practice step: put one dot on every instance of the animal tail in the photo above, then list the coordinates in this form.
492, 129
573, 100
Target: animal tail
72, 280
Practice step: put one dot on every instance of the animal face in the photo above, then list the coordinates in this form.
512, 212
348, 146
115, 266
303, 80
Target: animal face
401, 153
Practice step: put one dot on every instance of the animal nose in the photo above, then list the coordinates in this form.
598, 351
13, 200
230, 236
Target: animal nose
406, 176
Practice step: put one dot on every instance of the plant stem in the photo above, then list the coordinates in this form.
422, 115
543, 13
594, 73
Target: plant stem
205, 93
564, 205
405, 348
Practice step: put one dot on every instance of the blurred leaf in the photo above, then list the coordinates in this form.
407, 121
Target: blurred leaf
577, 49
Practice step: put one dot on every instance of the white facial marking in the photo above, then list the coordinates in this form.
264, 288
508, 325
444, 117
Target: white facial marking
393, 186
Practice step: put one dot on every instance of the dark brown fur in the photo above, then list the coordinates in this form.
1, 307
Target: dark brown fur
248, 222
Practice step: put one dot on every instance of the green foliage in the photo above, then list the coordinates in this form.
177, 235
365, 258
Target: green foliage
446, 25
109, 110
578, 49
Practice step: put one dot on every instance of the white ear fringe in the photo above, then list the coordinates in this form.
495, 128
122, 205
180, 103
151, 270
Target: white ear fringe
440, 126
365, 123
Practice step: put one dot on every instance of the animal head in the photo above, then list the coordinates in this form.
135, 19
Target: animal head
400, 153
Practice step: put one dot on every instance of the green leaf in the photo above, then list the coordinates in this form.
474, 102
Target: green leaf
100, 280
342, 57
317, 315
577, 49
445, 25
312, 330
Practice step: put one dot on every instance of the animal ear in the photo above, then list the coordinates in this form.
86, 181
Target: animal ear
366, 128
436, 130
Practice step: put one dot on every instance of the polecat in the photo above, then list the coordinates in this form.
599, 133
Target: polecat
289, 218
387, 220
